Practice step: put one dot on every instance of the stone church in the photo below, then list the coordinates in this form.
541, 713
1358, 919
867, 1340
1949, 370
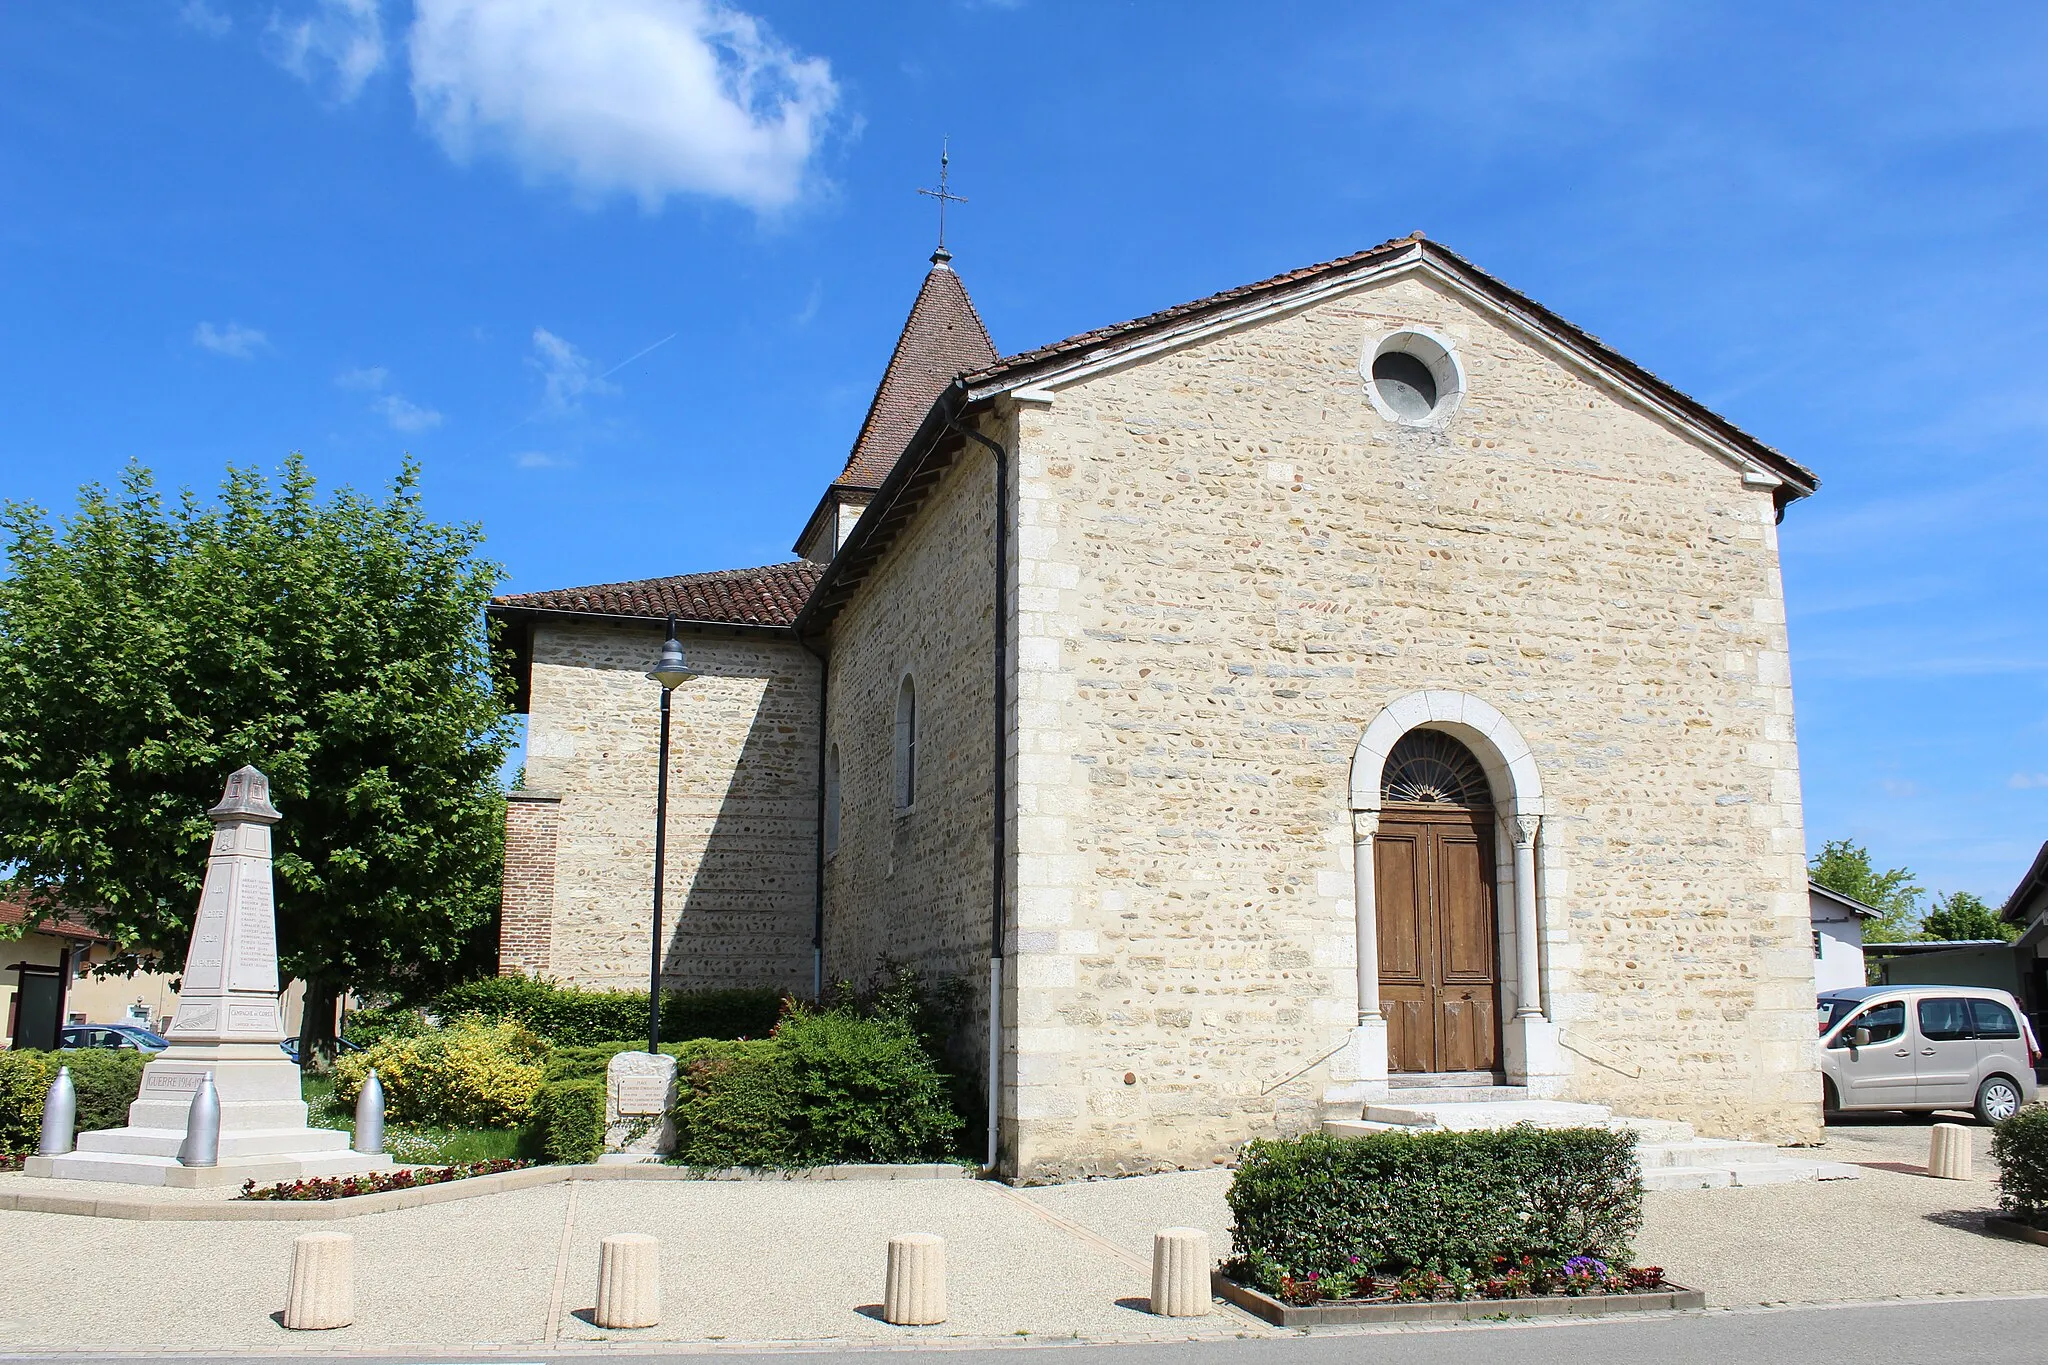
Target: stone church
1363, 680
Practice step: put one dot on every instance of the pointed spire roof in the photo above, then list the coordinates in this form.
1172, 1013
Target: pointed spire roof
942, 339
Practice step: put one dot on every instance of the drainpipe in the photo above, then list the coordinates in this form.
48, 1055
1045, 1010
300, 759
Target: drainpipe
998, 829
818, 857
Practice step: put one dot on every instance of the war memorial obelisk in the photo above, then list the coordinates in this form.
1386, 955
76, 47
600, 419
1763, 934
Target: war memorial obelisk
229, 1023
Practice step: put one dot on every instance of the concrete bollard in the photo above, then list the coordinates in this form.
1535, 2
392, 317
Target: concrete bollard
1948, 1152
915, 1295
1180, 1272
323, 1291
628, 1281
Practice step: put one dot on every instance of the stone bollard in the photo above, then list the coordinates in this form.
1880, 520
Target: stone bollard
1948, 1152
1180, 1272
628, 1281
323, 1282
915, 1295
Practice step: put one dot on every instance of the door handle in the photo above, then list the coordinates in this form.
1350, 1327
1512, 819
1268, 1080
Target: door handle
1926, 1052
1907, 1053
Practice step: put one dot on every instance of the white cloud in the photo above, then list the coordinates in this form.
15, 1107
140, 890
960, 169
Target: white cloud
647, 97
401, 412
567, 373
2022, 782
200, 15
231, 340
540, 459
341, 41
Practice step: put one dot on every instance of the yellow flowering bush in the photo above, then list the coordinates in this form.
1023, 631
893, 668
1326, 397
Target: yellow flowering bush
476, 1073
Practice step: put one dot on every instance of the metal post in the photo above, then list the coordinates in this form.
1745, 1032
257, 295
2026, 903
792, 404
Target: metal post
660, 855
202, 1127
369, 1139
60, 1115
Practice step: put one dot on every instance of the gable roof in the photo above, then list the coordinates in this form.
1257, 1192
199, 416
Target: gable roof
768, 596
2015, 908
1849, 903
942, 339
935, 444
60, 924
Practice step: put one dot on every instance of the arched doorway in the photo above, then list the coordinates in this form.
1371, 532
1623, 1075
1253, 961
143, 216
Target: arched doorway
1439, 924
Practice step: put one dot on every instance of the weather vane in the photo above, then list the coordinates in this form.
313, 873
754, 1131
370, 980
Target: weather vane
945, 197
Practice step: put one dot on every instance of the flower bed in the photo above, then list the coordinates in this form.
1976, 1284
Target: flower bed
1582, 1284
376, 1182
11, 1161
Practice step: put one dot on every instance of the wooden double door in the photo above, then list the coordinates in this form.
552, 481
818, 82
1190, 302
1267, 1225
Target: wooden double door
1439, 935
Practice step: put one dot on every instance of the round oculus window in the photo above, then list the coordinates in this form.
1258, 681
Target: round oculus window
1406, 384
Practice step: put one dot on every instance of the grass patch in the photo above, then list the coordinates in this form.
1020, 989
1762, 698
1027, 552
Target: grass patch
411, 1146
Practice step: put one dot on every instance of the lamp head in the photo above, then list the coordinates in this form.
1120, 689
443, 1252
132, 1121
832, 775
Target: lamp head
672, 672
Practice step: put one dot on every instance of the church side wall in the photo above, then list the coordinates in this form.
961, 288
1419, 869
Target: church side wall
742, 805
1229, 565
912, 885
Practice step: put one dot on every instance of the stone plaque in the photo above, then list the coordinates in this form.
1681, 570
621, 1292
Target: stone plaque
643, 1094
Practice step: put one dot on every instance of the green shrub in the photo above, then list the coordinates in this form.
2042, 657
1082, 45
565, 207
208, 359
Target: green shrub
589, 1063
106, 1079
23, 1083
826, 1087
476, 1073
568, 1121
2020, 1147
1439, 1201
567, 1016
365, 1027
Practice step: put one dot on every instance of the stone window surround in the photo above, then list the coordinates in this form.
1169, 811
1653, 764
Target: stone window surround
1439, 353
832, 828
904, 747
1531, 1044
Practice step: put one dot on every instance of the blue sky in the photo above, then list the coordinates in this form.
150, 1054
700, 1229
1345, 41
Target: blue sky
457, 228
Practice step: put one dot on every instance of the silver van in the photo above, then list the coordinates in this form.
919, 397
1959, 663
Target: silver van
1926, 1047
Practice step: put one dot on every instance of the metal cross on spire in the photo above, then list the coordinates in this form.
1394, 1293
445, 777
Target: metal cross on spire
945, 196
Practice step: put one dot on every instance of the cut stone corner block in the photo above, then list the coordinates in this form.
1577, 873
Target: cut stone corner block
1534, 1055
1180, 1272
639, 1092
915, 1292
323, 1289
628, 1281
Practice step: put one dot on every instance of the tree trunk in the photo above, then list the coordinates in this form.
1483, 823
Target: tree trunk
317, 1044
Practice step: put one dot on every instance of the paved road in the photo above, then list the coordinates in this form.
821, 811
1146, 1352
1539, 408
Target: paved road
1954, 1332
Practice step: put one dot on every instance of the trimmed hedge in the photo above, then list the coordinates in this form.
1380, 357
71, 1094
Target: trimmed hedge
2020, 1147
569, 1017
590, 1063
568, 1121
826, 1087
107, 1081
1439, 1201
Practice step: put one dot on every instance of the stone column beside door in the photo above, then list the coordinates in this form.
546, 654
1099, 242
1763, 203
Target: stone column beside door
1364, 1065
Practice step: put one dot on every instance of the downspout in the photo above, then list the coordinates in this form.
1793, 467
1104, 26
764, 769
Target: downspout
998, 827
824, 659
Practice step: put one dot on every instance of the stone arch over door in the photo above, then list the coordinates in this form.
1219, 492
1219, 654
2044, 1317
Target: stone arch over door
1528, 1037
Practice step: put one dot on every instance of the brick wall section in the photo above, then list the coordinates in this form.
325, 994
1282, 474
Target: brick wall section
526, 916
1229, 564
914, 885
742, 804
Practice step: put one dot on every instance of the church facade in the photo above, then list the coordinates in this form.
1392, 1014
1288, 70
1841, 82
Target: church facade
1358, 680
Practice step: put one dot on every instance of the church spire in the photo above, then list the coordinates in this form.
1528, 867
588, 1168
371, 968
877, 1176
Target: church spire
943, 258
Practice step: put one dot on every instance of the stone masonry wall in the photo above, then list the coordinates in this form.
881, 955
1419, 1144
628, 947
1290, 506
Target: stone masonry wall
913, 885
526, 914
1229, 564
743, 764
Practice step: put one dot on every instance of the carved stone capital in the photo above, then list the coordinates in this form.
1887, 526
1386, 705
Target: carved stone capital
1364, 824
1524, 831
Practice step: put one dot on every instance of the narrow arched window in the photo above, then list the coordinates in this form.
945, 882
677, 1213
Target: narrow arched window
906, 745
832, 800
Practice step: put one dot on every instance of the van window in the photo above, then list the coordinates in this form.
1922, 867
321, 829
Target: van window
1943, 1019
1994, 1020
1885, 1023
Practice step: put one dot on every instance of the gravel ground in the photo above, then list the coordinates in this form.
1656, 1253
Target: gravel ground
797, 1263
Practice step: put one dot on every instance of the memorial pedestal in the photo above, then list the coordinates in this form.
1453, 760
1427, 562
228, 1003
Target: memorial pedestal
639, 1091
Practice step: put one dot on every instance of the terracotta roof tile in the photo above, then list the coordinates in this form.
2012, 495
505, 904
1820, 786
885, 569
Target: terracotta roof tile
768, 596
65, 923
942, 339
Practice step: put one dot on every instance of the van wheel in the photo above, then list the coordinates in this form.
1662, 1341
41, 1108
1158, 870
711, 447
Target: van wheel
1830, 1102
1998, 1099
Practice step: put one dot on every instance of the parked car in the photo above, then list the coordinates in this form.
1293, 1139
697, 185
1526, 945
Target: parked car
1926, 1048
291, 1047
114, 1036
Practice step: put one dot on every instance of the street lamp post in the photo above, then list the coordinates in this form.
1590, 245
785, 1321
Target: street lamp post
671, 673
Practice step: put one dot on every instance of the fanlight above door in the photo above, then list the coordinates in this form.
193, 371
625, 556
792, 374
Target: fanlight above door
1429, 767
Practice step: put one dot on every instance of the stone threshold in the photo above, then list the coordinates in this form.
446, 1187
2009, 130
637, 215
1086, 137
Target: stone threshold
1339, 1314
127, 1206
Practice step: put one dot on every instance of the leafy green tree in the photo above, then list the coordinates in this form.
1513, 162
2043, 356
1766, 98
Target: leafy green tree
1960, 915
147, 651
1845, 866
